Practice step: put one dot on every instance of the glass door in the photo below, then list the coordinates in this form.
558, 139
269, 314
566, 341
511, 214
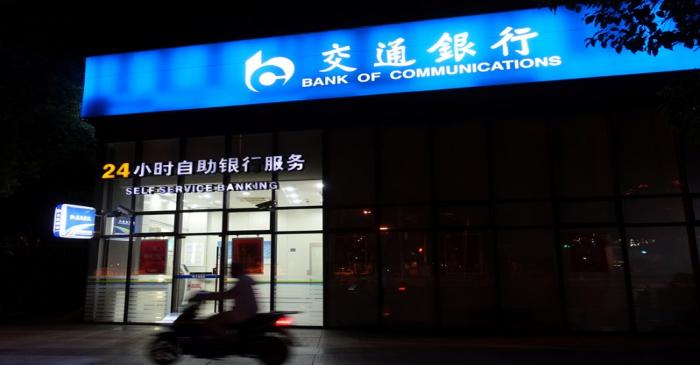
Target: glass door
254, 251
198, 270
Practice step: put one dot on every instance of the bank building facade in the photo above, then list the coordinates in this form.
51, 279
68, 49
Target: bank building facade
479, 172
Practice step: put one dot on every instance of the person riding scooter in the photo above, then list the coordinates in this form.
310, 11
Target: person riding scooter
242, 293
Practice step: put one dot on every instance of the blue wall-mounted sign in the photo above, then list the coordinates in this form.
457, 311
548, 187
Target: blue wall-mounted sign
121, 226
73, 221
490, 49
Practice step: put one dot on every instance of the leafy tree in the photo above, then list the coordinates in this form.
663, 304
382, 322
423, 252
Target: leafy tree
42, 134
47, 156
649, 26
639, 25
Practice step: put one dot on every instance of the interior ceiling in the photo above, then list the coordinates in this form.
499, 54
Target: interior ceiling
290, 193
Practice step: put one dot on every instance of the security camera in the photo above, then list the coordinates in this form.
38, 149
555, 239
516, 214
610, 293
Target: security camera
266, 205
120, 211
124, 210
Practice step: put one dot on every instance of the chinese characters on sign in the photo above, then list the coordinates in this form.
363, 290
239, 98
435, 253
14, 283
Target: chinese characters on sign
233, 165
335, 56
523, 46
521, 34
453, 47
395, 54
448, 46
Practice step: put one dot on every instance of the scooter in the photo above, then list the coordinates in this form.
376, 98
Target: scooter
264, 336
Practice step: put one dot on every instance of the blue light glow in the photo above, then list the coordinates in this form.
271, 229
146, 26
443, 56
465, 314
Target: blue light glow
491, 49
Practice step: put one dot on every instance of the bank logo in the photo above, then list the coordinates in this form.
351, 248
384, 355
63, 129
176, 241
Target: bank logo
267, 73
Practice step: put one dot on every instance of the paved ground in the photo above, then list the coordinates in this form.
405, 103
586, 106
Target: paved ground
124, 345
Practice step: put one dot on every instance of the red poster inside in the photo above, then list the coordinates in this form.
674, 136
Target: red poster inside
249, 252
152, 257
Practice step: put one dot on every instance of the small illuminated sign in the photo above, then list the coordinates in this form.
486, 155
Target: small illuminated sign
121, 226
73, 221
514, 47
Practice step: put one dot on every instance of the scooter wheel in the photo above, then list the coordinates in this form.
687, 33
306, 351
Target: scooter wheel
164, 350
272, 351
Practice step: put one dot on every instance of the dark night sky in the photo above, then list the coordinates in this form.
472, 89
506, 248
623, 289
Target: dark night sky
97, 27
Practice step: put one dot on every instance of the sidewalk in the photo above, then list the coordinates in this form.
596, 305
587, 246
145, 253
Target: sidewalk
125, 345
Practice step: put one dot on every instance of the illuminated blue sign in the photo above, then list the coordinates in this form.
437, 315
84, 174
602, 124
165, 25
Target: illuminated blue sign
121, 226
491, 49
73, 221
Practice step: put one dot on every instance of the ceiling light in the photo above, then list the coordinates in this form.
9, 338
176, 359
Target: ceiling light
245, 193
296, 201
289, 188
293, 196
319, 185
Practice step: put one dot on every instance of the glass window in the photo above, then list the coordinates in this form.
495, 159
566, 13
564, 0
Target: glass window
155, 223
692, 151
466, 216
584, 162
467, 285
250, 145
106, 285
300, 193
299, 279
249, 221
405, 217
662, 278
595, 282
460, 162
151, 279
405, 171
653, 210
350, 169
201, 222
197, 270
521, 168
647, 155
587, 212
156, 202
308, 145
248, 199
352, 292
350, 218
161, 151
117, 226
529, 286
300, 220
203, 149
407, 279
208, 200
115, 189
254, 252
524, 214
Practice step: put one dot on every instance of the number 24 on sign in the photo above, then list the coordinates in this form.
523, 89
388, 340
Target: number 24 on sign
111, 168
